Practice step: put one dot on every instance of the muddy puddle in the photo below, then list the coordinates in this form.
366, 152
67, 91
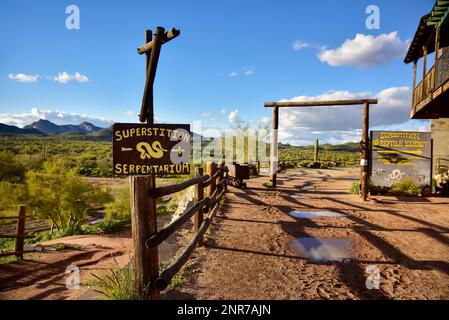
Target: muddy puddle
309, 187
322, 249
315, 214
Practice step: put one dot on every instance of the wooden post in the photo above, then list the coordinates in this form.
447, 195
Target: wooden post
211, 170
148, 39
424, 69
20, 231
274, 147
364, 153
144, 225
199, 195
258, 167
221, 176
437, 58
415, 66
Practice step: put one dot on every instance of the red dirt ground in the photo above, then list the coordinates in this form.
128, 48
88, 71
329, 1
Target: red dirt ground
248, 255
248, 251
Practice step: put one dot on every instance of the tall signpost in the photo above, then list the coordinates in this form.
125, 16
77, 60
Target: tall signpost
143, 151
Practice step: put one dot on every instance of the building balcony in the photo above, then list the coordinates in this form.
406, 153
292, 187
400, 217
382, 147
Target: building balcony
431, 95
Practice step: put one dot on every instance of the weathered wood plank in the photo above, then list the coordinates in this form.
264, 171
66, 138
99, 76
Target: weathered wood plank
164, 191
329, 103
169, 35
163, 234
144, 225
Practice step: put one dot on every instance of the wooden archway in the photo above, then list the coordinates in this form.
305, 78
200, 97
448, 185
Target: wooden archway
365, 130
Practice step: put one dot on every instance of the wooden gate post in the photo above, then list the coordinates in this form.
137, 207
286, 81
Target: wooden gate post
221, 176
20, 232
199, 195
364, 153
144, 225
274, 147
211, 170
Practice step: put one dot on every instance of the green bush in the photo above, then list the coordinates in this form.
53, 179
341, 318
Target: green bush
406, 187
120, 207
120, 284
373, 189
10, 169
59, 195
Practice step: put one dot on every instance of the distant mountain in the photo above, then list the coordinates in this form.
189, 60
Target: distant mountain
6, 129
101, 135
48, 127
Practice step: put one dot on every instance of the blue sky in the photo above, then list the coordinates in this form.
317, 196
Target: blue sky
231, 57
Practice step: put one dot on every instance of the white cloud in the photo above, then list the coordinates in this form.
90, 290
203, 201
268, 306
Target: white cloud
64, 77
234, 116
265, 120
366, 51
24, 78
343, 123
248, 71
299, 44
130, 113
55, 116
233, 74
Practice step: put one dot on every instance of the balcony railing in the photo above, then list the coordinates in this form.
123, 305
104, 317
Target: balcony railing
443, 68
425, 87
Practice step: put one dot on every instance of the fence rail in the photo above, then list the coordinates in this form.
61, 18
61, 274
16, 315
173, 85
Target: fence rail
149, 280
20, 235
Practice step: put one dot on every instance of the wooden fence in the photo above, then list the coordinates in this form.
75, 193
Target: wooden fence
19, 236
146, 238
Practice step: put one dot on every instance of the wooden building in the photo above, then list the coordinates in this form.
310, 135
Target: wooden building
430, 98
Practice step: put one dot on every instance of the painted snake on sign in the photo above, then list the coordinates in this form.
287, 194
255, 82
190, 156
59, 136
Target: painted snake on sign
147, 151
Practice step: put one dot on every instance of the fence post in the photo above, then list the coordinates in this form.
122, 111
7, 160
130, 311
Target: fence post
20, 232
211, 170
144, 225
199, 195
220, 177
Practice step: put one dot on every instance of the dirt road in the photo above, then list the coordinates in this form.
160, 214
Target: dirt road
251, 251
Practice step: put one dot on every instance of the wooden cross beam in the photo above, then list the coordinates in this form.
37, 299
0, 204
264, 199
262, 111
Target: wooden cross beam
330, 103
152, 49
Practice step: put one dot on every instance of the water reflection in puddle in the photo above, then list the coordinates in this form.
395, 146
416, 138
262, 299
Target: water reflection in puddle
300, 197
307, 187
315, 214
323, 250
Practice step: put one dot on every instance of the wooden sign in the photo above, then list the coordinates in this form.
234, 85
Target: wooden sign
143, 149
401, 155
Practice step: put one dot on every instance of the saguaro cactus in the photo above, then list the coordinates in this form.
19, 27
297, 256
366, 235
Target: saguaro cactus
316, 151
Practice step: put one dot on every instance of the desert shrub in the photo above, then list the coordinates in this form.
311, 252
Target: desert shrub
406, 187
11, 170
119, 284
62, 197
11, 195
373, 189
120, 207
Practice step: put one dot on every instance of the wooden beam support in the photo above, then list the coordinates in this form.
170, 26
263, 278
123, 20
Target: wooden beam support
166, 37
274, 148
147, 108
320, 103
144, 225
199, 196
20, 232
364, 154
